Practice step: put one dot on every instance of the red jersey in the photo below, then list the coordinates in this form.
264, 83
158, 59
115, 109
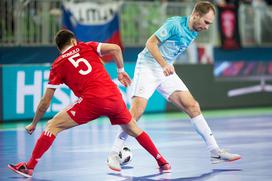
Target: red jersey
81, 69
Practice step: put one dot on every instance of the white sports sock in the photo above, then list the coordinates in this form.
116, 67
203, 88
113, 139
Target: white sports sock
203, 129
119, 141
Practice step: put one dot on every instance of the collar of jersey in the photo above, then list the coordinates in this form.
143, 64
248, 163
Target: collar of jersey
187, 26
66, 49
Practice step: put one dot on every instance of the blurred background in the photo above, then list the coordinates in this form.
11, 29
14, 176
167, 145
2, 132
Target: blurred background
228, 66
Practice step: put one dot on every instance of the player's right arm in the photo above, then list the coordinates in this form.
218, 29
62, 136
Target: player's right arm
152, 44
41, 109
115, 51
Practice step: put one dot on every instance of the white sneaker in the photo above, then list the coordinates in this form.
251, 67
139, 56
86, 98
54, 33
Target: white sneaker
224, 156
113, 162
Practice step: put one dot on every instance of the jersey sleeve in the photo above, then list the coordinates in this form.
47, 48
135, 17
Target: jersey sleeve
165, 31
54, 79
95, 46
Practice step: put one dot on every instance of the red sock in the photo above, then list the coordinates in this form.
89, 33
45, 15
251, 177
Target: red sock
147, 143
44, 142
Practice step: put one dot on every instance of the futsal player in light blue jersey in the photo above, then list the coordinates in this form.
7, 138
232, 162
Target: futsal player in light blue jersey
155, 71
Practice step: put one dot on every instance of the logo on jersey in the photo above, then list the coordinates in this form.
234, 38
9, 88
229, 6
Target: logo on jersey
180, 50
163, 33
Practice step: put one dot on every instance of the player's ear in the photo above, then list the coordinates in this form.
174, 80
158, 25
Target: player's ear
73, 41
196, 15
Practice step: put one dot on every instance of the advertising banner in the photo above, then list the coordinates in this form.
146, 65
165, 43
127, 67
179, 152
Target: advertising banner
24, 85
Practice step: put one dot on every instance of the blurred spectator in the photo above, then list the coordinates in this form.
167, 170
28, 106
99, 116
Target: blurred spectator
261, 2
263, 16
268, 2
231, 2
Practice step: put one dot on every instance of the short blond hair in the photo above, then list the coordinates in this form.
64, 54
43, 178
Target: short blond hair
203, 7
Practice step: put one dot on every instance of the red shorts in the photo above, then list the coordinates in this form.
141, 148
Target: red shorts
88, 109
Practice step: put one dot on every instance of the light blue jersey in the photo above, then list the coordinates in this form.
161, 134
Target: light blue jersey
175, 36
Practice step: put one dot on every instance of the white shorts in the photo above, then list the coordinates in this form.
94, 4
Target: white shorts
146, 80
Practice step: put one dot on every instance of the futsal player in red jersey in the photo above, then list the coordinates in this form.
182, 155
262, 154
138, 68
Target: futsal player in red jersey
80, 67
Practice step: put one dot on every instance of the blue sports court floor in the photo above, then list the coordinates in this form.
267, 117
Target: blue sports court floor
80, 153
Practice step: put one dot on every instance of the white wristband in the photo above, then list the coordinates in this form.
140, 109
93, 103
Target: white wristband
120, 70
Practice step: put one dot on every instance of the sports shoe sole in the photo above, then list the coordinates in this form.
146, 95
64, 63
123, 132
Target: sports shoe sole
166, 171
18, 172
114, 169
220, 161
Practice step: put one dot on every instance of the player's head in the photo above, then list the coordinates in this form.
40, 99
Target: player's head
65, 38
203, 15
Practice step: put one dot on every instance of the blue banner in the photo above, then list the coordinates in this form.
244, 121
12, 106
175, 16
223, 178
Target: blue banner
24, 87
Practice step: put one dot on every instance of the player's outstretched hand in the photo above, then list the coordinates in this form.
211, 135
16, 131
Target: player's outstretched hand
168, 69
30, 128
124, 78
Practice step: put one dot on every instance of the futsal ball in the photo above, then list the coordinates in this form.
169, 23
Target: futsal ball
125, 156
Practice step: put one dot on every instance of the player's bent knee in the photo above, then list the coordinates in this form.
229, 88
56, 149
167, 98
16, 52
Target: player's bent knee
196, 106
137, 112
132, 128
52, 127
133, 132
138, 107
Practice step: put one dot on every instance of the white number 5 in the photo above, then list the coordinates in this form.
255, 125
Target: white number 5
76, 63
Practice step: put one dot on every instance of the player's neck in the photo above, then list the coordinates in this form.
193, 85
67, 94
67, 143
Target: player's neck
66, 48
190, 23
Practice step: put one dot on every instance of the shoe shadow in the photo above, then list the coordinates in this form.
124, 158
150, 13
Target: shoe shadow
126, 167
168, 176
208, 174
19, 178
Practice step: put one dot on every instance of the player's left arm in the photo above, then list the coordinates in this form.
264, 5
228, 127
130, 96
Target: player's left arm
41, 109
115, 51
